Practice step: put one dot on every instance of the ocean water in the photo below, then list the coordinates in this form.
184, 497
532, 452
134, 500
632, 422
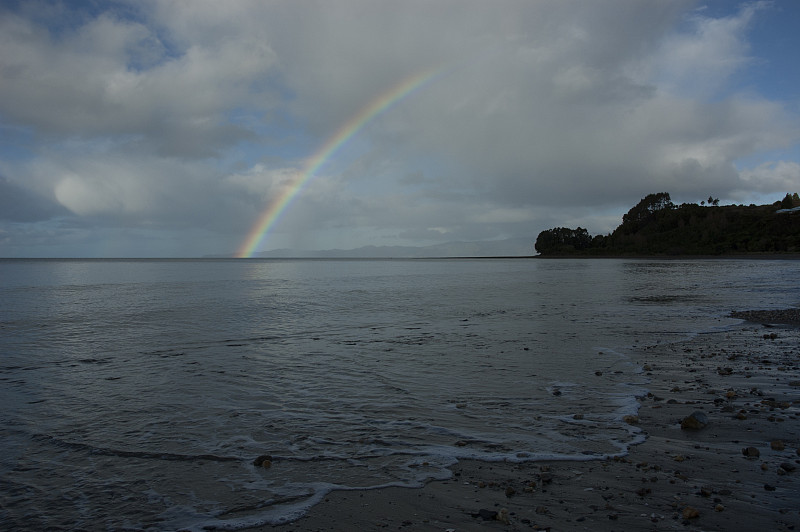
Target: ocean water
136, 394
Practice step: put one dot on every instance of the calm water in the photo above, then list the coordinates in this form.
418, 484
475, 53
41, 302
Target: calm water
136, 394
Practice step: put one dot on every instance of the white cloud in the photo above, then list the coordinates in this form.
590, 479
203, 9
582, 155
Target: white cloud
113, 77
772, 176
701, 60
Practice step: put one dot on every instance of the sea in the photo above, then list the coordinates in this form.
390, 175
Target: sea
226, 394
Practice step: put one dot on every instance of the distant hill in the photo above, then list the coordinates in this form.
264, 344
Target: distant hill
516, 247
655, 226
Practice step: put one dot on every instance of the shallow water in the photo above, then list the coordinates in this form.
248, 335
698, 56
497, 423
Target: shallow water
136, 394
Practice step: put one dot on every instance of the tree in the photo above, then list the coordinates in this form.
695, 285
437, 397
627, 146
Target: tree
643, 211
562, 240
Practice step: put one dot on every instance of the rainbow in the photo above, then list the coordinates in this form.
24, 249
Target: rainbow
279, 204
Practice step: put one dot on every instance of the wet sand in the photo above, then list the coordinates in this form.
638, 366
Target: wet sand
739, 472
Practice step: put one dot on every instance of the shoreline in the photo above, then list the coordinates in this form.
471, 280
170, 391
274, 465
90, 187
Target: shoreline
728, 256
739, 472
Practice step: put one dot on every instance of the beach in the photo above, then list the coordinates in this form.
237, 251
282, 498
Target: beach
722, 452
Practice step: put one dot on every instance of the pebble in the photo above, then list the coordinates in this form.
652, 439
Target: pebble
502, 516
751, 452
264, 461
777, 445
486, 515
631, 420
690, 513
694, 421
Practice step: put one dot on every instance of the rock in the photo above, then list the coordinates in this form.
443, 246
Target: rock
264, 461
510, 492
690, 513
631, 420
786, 466
486, 515
777, 445
695, 421
719, 508
768, 487
502, 516
725, 371
751, 452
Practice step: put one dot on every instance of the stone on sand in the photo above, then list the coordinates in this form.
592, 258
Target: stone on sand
694, 421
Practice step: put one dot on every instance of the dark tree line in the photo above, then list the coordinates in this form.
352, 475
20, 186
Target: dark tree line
563, 240
656, 226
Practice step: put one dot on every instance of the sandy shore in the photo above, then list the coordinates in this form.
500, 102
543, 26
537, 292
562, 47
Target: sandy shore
739, 472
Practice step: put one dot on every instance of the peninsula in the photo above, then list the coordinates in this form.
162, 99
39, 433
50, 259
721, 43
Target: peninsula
655, 226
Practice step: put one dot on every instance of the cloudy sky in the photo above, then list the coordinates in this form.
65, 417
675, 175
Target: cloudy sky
165, 128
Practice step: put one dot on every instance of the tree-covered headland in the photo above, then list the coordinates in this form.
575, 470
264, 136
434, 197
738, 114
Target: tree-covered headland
656, 226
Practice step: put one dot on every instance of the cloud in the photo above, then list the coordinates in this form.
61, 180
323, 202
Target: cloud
18, 204
111, 77
772, 176
702, 59
165, 116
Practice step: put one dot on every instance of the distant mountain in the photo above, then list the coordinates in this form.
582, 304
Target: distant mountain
517, 247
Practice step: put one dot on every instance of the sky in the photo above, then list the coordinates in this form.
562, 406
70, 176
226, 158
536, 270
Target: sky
149, 128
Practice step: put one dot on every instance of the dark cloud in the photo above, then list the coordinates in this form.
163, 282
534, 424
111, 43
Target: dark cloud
20, 205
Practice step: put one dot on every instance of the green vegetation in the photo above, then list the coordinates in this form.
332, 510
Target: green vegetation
655, 226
